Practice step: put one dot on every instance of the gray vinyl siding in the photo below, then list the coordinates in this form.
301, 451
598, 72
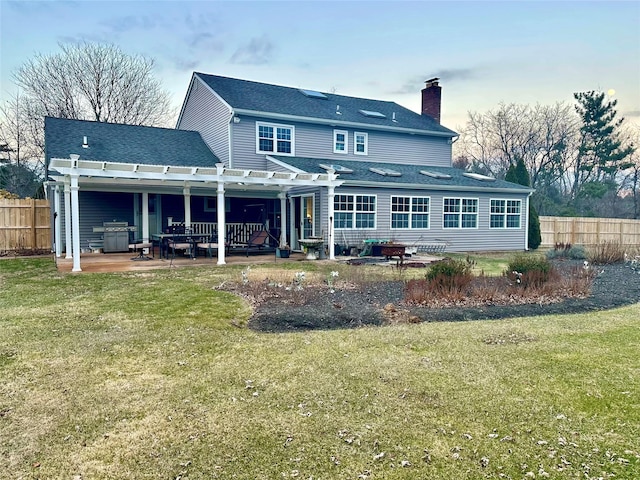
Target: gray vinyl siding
481, 238
316, 141
204, 112
97, 208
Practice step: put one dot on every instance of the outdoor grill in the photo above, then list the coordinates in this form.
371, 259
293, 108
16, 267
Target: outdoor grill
115, 236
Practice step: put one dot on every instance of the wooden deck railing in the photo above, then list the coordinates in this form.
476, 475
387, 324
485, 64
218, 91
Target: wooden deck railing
237, 233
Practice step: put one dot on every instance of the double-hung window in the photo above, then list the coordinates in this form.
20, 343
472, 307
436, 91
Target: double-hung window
340, 141
361, 143
274, 138
354, 211
505, 213
460, 213
409, 212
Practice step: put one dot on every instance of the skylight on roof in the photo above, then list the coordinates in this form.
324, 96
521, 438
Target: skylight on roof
438, 175
478, 176
336, 168
312, 93
387, 172
372, 114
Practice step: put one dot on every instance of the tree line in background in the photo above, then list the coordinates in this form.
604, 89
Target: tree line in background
581, 159
85, 81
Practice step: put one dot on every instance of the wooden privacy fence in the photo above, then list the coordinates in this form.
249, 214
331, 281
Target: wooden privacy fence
589, 231
25, 224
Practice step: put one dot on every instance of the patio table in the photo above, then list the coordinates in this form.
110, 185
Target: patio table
162, 240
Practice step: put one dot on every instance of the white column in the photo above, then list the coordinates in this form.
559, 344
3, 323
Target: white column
57, 220
292, 223
222, 223
330, 214
67, 218
145, 217
283, 217
75, 223
187, 207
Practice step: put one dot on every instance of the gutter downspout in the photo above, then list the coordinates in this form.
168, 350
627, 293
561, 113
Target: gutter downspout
526, 225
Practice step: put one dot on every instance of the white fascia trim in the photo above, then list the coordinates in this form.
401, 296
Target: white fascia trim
195, 77
418, 186
338, 123
222, 100
186, 99
291, 168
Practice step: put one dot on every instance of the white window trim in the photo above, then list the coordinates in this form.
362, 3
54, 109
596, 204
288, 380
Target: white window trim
410, 212
506, 214
275, 126
366, 143
354, 211
460, 213
346, 141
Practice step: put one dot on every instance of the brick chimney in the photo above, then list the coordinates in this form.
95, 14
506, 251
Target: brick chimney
431, 99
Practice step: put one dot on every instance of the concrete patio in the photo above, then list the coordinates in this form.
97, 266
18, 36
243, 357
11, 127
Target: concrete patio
123, 262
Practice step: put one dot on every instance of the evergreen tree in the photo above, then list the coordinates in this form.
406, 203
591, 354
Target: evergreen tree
518, 174
601, 154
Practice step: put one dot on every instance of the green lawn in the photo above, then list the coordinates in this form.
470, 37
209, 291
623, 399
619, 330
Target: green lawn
155, 375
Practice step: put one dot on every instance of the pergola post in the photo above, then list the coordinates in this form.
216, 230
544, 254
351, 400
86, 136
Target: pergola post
67, 218
75, 223
145, 217
330, 214
283, 217
292, 223
57, 220
221, 213
186, 191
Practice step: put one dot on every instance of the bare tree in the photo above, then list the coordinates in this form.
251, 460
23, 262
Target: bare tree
84, 81
95, 82
543, 136
21, 159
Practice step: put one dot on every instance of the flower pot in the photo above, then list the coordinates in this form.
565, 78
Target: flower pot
282, 252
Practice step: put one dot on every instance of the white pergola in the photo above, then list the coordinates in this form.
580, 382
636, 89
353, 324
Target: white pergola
69, 174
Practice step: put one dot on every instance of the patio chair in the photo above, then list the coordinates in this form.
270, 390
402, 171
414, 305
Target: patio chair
210, 245
139, 247
257, 241
182, 242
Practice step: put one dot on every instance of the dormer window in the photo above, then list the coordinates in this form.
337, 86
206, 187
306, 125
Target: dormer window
340, 141
361, 143
274, 138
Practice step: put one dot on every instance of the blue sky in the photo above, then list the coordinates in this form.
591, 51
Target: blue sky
484, 52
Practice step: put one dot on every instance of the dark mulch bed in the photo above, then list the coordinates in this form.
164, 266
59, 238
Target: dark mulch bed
316, 308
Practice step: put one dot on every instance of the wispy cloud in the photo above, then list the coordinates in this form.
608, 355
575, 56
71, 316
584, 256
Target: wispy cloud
447, 75
631, 113
132, 23
259, 51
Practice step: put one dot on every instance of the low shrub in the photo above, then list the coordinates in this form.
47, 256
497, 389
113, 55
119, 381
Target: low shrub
577, 252
529, 270
606, 253
449, 268
449, 276
566, 250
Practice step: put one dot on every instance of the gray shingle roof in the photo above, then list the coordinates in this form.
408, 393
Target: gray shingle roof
263, 97
409, 174
113, 142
